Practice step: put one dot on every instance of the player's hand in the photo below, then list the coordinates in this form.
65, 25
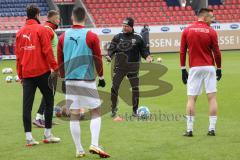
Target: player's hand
149, 59
101, 82
21, 81
108, 58
54, 74
184, 76
219, 74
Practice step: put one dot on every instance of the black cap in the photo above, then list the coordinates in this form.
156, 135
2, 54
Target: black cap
129, 21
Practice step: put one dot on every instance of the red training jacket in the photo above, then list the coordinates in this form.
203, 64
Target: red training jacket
33, 50
202, 44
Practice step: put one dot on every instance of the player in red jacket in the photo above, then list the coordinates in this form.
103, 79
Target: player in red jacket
203, 52
35, 62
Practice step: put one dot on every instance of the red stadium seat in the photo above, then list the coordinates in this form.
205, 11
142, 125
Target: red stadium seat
175, 14
168, 14
225, 12
164, 8
177, 8
234, 7
189, 8
228, 6
170, 8
215, 7
221, 7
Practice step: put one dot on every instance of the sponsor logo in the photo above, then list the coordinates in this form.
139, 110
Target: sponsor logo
216, 27
165, 29
234, 26
106, 31
133, 41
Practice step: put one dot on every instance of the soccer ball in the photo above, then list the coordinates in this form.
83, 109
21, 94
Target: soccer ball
58, 111
9, 79
16, 79
159, 59
4, 71
143, 112
7, 70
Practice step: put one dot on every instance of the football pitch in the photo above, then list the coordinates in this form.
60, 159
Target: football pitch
158, 139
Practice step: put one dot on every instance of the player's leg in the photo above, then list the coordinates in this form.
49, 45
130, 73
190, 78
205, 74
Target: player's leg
76, 131
211, 89
194, 88
95, 126
134, 81
39, 120
48, 95
116, 81
212, 101
190, 113
29, 89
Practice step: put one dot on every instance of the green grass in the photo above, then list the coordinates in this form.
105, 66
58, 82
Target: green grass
133, 140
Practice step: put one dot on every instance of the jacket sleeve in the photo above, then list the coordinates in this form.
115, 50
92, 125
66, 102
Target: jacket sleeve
60, 56
183, 49
94, 43
145, 36
45, 42
144, 51
215, 49
112, 49
18, 58
147, 39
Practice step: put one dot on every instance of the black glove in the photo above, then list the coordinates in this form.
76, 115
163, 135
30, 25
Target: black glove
52, 80
184, 76
219, 74
101, 83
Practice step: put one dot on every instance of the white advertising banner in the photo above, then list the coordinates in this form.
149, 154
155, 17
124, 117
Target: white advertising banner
167, 38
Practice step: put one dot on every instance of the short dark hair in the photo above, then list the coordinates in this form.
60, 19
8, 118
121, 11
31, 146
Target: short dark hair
52, 13
203, 11
78, 14
32, 10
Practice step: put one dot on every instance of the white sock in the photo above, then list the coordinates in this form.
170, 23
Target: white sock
212, 122
76, 131
47, 132
39, 116
190, 120
29, 136
95, 127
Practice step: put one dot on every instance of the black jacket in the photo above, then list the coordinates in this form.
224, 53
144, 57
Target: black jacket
128, 49
145, 35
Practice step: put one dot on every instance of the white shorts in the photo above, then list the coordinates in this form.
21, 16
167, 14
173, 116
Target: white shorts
199, 76
82, 94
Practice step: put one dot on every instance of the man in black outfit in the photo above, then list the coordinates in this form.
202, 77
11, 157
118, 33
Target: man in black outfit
145, 35
128, 48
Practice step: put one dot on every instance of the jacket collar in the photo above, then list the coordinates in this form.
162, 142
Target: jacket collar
201, 22
77, 26
32, 21
50, 24
130, 33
